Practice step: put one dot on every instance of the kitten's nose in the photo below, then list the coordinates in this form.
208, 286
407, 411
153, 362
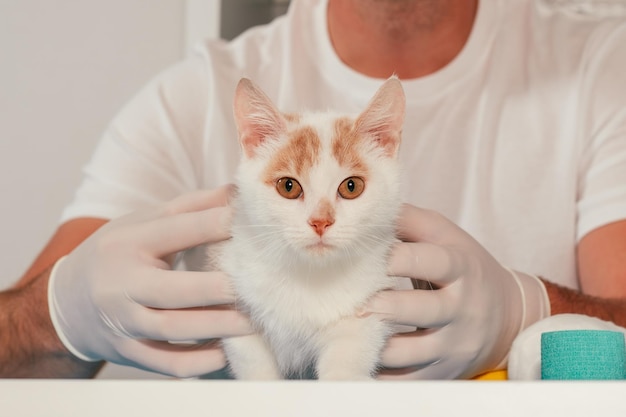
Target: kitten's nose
320, 225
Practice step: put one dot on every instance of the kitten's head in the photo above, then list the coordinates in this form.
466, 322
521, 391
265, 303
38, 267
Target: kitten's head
319, 185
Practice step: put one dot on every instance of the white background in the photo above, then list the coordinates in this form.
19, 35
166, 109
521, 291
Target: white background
66, 68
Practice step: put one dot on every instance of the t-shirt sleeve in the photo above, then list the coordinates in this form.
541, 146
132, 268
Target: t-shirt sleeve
602, 183
146, 155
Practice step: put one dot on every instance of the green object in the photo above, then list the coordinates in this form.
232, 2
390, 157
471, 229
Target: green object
583, 354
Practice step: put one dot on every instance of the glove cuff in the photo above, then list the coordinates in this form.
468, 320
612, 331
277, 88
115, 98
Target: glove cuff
534, 301
57, 316
534, 297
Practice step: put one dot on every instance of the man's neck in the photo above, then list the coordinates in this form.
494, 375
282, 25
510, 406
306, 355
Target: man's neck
409, 38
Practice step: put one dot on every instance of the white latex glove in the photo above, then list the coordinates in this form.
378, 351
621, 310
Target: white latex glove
472, 318
115, 297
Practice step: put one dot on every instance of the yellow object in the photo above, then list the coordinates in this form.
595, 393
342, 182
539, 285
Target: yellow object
492, 376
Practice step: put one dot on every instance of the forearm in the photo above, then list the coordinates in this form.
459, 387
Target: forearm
29, 346
565, 300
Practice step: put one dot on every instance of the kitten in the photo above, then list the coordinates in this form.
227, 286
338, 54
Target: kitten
315, 210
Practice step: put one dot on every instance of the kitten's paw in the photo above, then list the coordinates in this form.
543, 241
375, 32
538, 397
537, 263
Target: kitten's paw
250, 358
256, 368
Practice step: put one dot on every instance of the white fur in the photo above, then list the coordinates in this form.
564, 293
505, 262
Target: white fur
303, 302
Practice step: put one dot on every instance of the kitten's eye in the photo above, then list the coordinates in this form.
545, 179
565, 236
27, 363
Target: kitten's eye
351, 188
289, 188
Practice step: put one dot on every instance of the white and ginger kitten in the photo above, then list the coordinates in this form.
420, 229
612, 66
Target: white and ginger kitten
315, 210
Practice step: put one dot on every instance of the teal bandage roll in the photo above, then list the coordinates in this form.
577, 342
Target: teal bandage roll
583, 354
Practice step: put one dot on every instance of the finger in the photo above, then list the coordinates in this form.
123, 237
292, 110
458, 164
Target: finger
166, 289
182, 361
186, 203
415, 349
421, 225
184, 325
200, 200
397, 374
443, 369
425, 261
167, 235
417, 308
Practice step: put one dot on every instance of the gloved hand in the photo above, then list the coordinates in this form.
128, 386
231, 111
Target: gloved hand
466, 325
115, 297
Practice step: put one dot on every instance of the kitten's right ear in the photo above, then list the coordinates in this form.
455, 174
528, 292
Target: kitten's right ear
256, 117
383, 118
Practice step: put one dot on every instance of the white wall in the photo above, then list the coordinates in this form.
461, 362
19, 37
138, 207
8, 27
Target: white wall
66, 67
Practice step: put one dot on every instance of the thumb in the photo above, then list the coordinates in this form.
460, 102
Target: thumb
169, 234
201, 200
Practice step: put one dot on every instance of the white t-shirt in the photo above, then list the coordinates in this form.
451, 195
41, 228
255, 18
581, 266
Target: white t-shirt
521, 140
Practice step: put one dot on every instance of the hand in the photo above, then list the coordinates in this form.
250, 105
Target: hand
466, 325
115, 297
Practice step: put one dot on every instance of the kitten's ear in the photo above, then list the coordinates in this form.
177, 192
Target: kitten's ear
383, 118
256, 117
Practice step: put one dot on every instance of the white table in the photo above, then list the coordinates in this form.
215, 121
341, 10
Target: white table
156, 398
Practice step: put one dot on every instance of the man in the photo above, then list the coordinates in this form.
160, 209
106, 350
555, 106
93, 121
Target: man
514, 130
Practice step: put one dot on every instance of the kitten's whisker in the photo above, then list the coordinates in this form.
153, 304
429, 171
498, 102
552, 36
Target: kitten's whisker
262, 237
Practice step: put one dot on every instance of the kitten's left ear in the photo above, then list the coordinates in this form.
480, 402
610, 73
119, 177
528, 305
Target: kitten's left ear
256, 117
383, 118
